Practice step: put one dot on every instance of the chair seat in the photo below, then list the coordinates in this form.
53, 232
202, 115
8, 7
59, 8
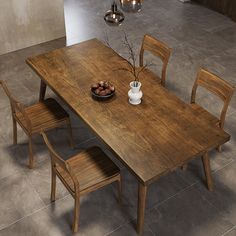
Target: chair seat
201, 112
43, 115
91, 167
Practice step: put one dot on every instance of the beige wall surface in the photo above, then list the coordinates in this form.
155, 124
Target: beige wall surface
24, 23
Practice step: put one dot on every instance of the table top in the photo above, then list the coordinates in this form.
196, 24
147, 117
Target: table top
151, 139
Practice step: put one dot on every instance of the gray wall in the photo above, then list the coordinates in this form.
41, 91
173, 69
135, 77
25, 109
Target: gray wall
24, 23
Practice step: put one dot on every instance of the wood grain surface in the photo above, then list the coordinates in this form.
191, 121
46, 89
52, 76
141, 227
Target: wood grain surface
151, 139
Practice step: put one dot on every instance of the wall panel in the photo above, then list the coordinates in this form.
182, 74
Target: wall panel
24, 23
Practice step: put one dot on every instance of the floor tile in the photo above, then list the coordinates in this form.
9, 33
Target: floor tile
227, 34
100, 212
37, 224
195, 170
224, 195
18, 198
130, 230
40, 179
231, 233
9, 156
158, 192
187, 214
230, 127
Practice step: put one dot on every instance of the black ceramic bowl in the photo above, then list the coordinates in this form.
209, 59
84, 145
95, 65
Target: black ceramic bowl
100, 97
102, 86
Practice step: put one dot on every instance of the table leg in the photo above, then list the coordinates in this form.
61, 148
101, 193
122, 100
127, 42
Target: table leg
207, 169
142, 193
42, 91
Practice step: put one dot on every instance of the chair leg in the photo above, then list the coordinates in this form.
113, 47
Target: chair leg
184, 167
70, 133
119, 186
31, 155
53, 186
219, 149
14, 131
76, 214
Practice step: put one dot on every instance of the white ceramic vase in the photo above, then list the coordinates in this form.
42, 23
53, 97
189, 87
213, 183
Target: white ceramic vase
135, 94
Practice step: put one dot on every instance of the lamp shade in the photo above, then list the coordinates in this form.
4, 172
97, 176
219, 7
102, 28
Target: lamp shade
131, 5
114, 17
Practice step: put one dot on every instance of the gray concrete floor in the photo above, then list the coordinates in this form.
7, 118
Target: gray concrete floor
178, 204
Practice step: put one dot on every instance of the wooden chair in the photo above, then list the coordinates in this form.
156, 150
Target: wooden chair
159, 49
217, 86
44, 115
83, 173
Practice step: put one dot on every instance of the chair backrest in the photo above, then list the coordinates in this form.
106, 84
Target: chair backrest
57, 160
157, 48
16, 106
217, 86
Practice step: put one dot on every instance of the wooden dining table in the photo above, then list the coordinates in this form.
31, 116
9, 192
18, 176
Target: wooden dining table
151, 139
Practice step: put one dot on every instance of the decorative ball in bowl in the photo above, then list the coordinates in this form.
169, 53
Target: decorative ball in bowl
102, 90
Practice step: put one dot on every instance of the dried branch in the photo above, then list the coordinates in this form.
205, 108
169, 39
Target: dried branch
144, 67
130, 64
124, 69
131, 56
106, 41
131, 53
